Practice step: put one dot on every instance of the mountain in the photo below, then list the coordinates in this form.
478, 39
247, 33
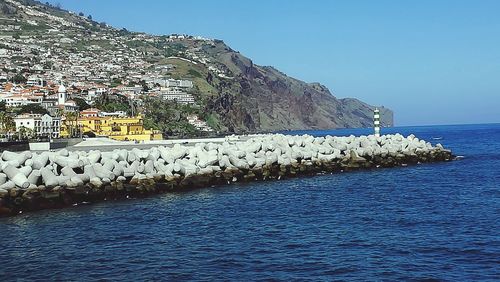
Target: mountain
233, 93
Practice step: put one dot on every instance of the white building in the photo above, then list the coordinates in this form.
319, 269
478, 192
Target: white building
177, 95
17, 100
90, 97
93, 93
62, 102
130, 89
113, 114
92, 112
174, 83
198, 123
35, 81
42, 125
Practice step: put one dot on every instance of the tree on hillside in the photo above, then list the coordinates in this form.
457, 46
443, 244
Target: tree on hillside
89, 17
113, 103
81, 14
26, 133
82, 105
71, 122
3, 106
168, 117
145, 86
19, 79
115, 82
32, 109
6, 123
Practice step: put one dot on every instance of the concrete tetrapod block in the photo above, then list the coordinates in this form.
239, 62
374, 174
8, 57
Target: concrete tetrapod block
129, 172
63, 152
179, 151
208, 159
35, 177
167, 170
16, 176
77, 180
67, 171
224, 162
123, 155
108, 164
89, 170
164, 153
28, 162
8, 185
63, 181
131, 157
49, 178
154, 154
102, 172
118, 170
19, 157
149, 167
109, 155
140, 168
139, 154
271, 158
66, 161
284, 160
26, 170
170, 169
3, 178
186, 168
94, 156
250, 159
239, 163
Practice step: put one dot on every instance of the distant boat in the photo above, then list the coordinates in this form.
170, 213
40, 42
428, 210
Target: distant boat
437, 138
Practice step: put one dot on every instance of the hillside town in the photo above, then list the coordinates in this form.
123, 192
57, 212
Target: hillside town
61, 84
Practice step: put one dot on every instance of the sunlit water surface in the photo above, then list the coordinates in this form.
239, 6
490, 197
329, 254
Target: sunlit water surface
433, 221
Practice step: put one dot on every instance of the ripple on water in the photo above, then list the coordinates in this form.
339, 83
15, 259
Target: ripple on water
422, 223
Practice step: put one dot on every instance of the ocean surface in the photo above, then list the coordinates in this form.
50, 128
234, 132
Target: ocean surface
426, 222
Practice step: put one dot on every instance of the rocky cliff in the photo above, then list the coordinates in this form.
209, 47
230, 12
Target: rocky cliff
263, 98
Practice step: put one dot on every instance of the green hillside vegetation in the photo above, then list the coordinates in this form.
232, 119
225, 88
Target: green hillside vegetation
197, 73
168, 117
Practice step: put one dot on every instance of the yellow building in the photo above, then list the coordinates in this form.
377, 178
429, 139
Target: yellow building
117, 128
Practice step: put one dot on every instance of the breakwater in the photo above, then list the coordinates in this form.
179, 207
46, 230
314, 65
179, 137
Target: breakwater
33, 181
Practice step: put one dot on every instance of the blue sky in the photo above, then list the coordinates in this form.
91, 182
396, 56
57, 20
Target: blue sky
432, 62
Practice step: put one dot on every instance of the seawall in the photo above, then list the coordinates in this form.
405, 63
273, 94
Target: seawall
34, 181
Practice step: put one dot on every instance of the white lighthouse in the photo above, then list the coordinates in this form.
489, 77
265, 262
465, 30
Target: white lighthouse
61, 95
376, 122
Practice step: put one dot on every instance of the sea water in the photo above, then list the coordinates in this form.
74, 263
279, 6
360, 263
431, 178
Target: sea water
433, 221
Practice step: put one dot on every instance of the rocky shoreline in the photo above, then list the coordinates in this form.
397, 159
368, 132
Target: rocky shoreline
35, 181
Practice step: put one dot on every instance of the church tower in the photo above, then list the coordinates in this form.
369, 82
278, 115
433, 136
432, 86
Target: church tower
61, 95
